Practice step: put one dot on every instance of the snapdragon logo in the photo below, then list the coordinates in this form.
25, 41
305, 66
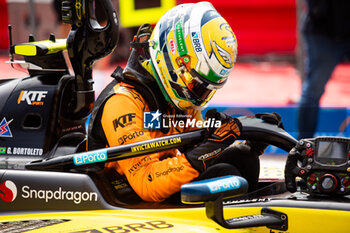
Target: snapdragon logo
92, 157
47, 195
8, 191
155, 120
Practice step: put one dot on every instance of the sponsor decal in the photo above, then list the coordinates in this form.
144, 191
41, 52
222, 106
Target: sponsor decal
124, 120
2, 150
208, 155
223, 185
141, 163
5, 129
29, 225
168, 171
180, 40
8, 191
92, 157
196, 42
47, 195
150, 178
224, 72
172, 46
119, 184
126, 138
151, 120
131, 227
223, 53
23, 151
32, 97
154, 145
73, 128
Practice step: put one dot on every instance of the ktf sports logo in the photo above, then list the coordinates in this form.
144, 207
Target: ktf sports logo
32, 97
8, 191
152, 120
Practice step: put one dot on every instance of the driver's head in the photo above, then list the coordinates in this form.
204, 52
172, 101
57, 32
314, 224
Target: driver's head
193, 50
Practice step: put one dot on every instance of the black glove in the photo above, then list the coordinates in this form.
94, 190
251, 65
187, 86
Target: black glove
271, 118
202, 156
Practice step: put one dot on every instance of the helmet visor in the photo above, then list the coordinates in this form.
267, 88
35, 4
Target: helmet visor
200, 91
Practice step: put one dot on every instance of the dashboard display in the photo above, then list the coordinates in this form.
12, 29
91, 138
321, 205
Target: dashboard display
332, 153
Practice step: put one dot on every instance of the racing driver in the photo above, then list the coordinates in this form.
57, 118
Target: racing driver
173, 71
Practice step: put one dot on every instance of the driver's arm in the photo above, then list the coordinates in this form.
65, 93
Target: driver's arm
155, 176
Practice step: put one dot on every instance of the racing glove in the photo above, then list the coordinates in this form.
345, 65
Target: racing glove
271, 118
218, 139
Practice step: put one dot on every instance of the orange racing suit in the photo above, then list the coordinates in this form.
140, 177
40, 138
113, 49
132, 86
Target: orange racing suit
156, 176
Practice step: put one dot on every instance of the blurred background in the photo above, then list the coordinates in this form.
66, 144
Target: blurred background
267, 76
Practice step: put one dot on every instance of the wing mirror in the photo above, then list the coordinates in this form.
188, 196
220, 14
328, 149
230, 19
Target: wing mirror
212, 192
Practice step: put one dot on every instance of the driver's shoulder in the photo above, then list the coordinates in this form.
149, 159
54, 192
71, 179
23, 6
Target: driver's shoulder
127, 95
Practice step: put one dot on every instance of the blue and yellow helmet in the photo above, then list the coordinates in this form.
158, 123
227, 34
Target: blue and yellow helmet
193, 50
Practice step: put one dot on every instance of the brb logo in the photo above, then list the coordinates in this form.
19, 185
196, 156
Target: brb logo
151, 120
8, 191
32, 97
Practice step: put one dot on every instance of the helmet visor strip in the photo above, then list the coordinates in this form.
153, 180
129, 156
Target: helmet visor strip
200, 87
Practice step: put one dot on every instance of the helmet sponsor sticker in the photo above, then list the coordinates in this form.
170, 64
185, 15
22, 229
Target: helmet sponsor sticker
5, 128
32, 97
124, 120
180, 40
172, 46
196, 42
90, 157
8, 191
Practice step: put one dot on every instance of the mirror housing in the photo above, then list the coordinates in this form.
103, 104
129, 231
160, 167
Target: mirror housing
213, 191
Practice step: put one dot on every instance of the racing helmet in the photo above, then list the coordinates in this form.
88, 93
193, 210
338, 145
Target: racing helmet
193, 50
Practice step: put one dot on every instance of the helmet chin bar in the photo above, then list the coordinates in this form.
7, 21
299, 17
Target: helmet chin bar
87, 41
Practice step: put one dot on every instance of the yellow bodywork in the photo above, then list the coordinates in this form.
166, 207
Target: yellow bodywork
31, 48
183, 220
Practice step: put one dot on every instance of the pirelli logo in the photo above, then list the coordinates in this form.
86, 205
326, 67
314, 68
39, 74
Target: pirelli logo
156, 145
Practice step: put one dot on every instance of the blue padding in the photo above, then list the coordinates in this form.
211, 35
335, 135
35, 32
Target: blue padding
210, 189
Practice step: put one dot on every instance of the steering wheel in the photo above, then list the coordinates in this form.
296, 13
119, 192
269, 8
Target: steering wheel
292, 170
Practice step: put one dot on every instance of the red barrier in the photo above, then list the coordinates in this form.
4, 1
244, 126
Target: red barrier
261, 26
4, 43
